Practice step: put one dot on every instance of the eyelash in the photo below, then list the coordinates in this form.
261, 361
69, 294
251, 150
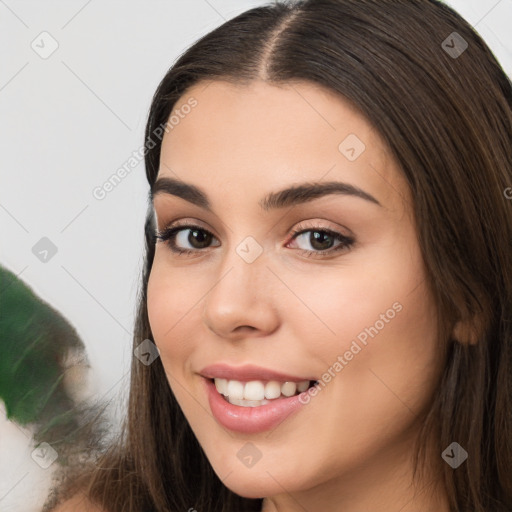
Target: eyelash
168, 236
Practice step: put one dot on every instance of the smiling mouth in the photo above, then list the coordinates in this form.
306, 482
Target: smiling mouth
258, 392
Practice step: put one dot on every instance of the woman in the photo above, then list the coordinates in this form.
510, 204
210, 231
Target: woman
328, 272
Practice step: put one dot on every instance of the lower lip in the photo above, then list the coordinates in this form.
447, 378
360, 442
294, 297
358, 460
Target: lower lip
250, 420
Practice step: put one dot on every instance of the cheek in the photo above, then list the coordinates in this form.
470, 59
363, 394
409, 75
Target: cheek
390, 379
377, 288
170, 307
378, 342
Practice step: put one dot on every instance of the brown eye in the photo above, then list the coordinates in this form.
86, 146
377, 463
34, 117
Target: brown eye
178, 237
321, 241
198, 238
188, 239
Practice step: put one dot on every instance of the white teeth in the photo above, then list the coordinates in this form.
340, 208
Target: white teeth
272, 389
302, 386
247, 403
289, 388
257, 392
222, 386
235, 389
254, 390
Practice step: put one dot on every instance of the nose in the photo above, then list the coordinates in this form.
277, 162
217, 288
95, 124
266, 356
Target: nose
242, 300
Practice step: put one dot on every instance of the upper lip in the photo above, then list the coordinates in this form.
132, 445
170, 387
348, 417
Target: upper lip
247, 372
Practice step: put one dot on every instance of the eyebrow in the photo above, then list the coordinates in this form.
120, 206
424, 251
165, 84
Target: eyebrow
291, 196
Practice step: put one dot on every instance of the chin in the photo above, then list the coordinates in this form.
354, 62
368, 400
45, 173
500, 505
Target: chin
255, 486
263, 479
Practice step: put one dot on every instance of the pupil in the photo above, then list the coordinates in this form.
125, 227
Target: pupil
319, 236
202, 235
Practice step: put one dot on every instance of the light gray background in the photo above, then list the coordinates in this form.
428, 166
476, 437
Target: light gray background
67, 123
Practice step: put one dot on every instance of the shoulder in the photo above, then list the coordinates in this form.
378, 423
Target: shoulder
78, 503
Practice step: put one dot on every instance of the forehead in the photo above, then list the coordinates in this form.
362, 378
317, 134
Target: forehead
262, 137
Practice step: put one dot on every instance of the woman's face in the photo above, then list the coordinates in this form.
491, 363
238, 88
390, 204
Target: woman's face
344, 303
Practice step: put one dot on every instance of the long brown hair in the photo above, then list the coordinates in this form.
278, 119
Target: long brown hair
445, 110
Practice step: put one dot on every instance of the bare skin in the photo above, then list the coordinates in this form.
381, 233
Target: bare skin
349, 449
79, 503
